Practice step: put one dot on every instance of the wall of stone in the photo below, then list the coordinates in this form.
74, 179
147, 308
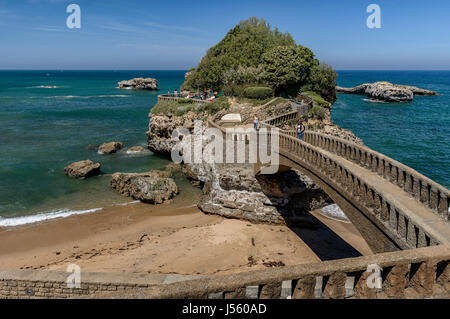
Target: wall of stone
415, 273
38, 284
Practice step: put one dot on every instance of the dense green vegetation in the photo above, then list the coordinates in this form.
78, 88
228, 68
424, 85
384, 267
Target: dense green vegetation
322, 80
318, 112
317, 99
258, 92
182, 106
253, 54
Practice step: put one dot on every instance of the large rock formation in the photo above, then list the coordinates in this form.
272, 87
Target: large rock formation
161, 127
233, 191
386, 91
153, 187
110, 147
82, 169
139, 84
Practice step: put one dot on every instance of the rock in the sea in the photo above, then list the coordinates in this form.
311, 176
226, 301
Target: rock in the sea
139, 84
136, 149
82, 169
109, 148
386, 91
147, 187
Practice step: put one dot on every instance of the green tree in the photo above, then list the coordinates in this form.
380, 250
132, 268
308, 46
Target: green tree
243, 46
323, 81
286, 68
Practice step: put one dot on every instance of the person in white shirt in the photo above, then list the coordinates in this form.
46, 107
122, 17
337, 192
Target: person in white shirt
256, 122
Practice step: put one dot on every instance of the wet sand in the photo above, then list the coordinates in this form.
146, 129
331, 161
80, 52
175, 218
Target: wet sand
141, 238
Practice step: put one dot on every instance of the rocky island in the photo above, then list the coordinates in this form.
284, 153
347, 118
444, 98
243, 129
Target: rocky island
233, 190
386, 91
139, 84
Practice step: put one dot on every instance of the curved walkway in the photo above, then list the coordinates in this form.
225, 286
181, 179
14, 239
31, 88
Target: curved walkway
409, 208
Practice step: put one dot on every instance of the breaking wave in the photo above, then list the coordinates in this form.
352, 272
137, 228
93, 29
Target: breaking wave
61, 213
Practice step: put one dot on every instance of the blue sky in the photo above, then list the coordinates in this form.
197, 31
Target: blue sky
142, 34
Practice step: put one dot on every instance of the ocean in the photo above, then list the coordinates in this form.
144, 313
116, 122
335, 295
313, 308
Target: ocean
44, 129
416, 133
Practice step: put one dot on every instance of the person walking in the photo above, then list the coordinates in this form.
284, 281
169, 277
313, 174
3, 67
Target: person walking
256, 122
300, 129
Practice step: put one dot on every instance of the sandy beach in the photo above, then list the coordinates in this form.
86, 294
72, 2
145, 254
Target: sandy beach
140, 238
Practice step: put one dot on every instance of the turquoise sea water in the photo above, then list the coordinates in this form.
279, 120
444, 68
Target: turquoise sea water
44, 129
416, 133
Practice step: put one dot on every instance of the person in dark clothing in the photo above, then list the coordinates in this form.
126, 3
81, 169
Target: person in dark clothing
300, 129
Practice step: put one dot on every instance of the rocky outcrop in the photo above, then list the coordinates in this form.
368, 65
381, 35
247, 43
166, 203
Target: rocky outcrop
139, 84
161, 128
109, 148
233, 191
82, 169
174, 169
386, 91
153, 187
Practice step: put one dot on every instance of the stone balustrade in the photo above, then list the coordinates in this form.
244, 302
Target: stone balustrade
399, 222
418, 273
434, 196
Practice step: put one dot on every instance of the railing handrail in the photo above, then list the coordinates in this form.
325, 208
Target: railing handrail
435, 188
173, 97
349, 266
434, 195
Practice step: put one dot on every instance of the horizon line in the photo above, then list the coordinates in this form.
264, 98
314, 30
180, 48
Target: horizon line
116, 70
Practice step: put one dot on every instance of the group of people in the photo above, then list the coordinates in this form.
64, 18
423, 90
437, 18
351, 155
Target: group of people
300, 127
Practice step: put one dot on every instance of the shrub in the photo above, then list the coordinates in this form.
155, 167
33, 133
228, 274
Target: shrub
243, 75
164, 107
318, 112
185, 101
220, 103
317, 99
287, 68
258, 92
173, 107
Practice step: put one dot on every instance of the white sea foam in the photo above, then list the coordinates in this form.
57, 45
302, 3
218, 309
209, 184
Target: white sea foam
60, 213
54, 214
374, 101
333, 211
133, 202
44, 87
92, 96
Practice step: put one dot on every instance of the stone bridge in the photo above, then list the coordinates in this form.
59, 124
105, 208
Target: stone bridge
393, 206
